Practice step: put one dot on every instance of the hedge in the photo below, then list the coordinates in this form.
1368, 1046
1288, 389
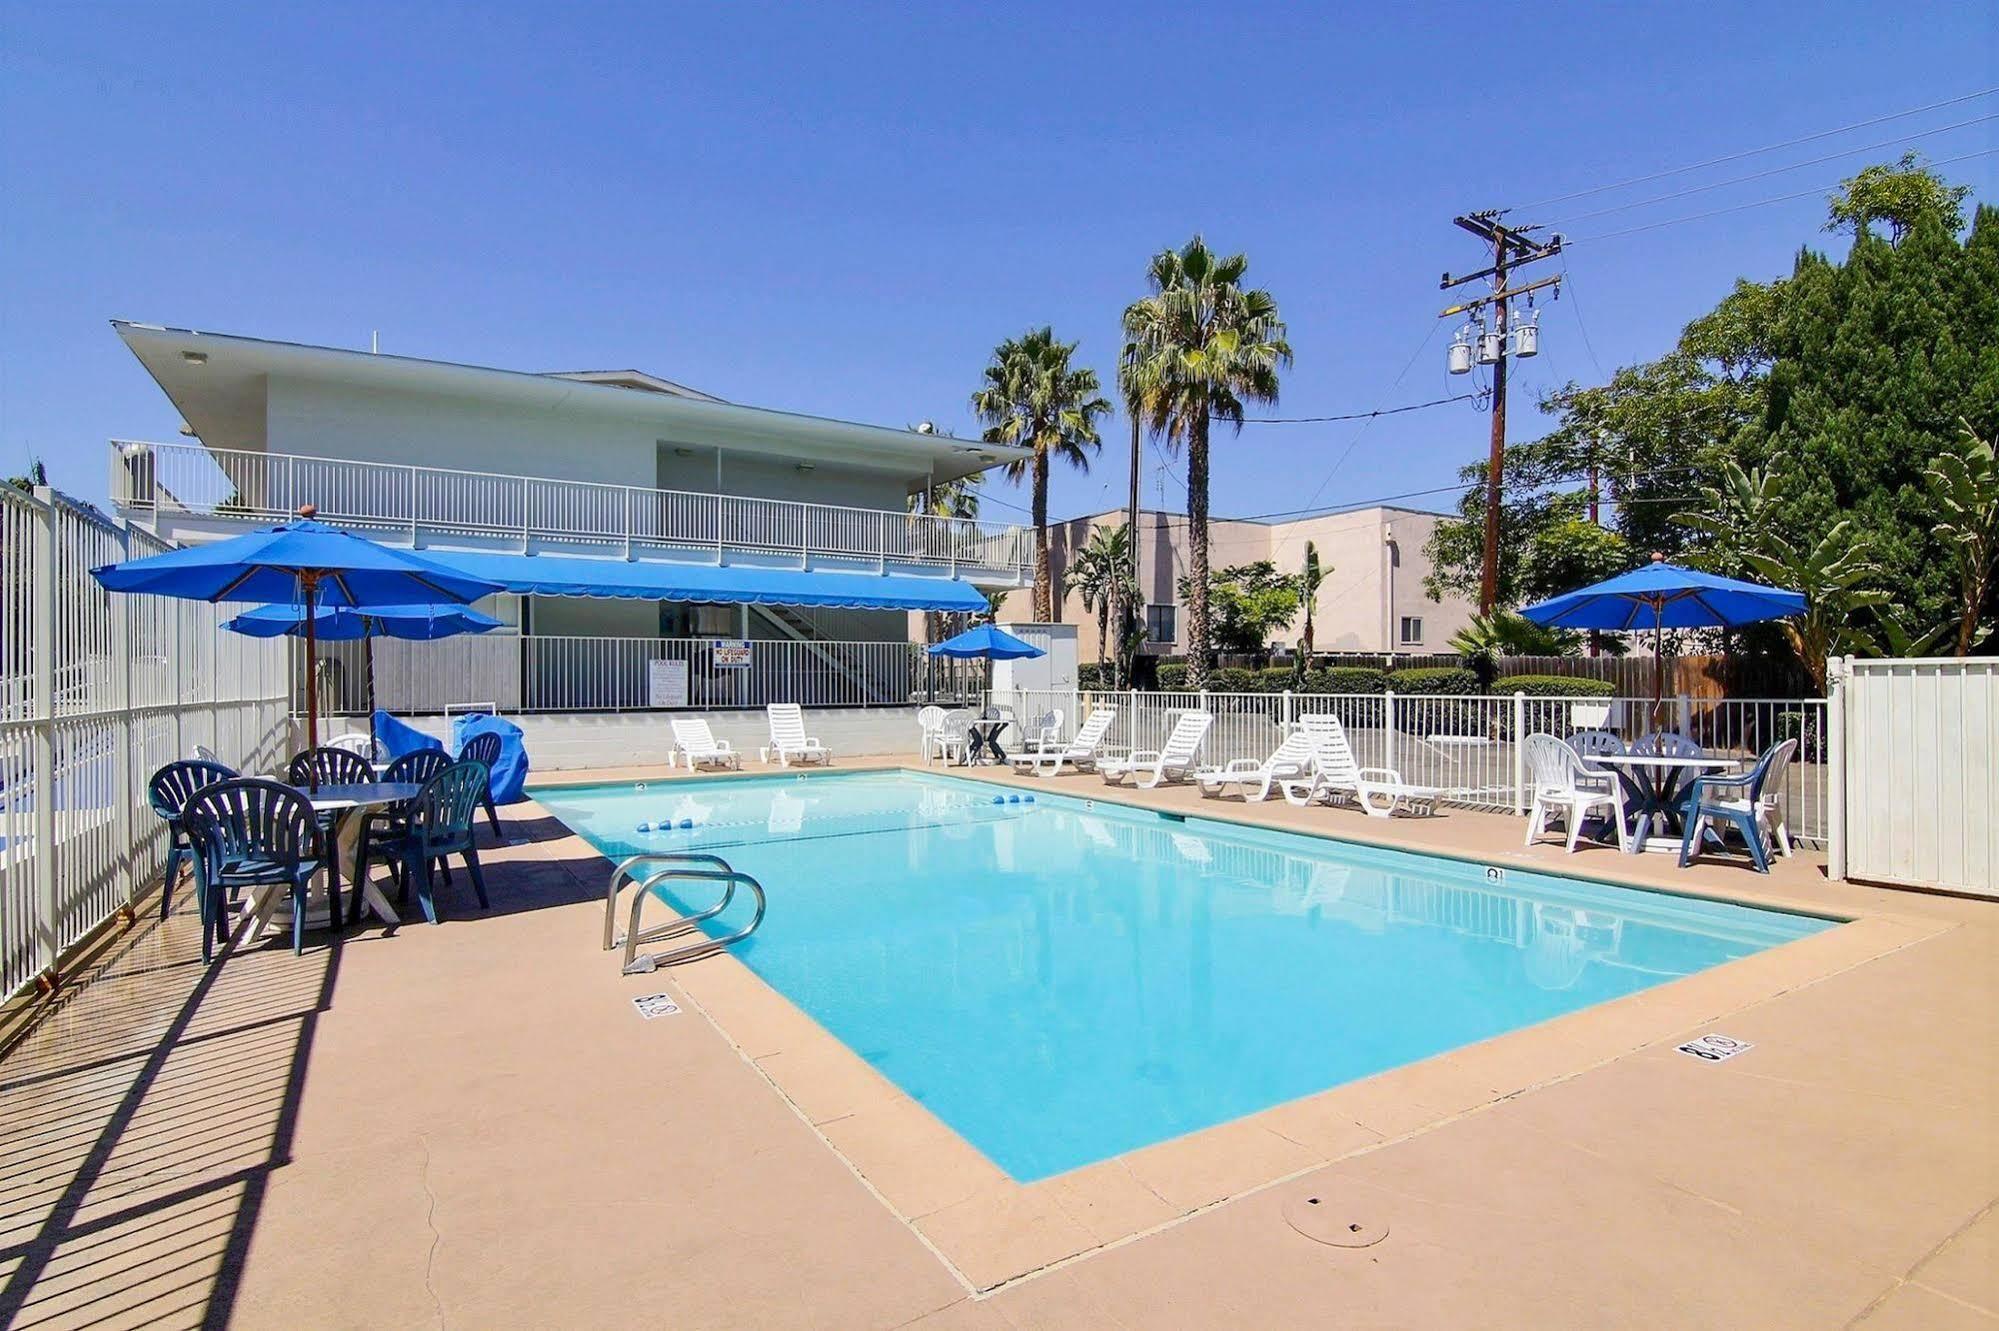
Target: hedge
1270, 679
1552, 686
1434, 680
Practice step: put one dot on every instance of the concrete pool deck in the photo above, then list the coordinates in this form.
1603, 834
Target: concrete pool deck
469, 1125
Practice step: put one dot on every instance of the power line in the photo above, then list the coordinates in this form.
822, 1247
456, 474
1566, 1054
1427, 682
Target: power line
1776, 170
1587, 346
1757, 152
1356, 415
1759, 203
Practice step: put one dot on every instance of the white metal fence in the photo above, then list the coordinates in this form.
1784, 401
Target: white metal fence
1921, 739
552, 673
1468, 745
96, 692
426, 502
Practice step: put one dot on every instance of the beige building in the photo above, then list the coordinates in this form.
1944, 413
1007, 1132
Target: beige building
1372, 598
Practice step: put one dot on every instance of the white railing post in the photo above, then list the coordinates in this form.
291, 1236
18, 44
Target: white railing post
1834, 740
1519, 753
718, 529
1290, 715
881, 542
628, 522
415, 543
47, 935
1389, 723
526, 525
121, 647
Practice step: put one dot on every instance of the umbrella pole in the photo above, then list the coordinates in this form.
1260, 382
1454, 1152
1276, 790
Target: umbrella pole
310, 581
368, 666
1658, 661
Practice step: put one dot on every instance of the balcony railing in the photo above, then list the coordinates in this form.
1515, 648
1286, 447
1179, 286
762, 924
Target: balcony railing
435, 506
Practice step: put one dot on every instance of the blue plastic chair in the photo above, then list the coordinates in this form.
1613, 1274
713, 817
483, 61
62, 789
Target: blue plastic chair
1736, 801
254, 833
383, 832
327, 766
440, 824
168, 792
484, 750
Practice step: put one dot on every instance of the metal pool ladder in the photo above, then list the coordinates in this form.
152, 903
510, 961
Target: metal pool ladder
649, 871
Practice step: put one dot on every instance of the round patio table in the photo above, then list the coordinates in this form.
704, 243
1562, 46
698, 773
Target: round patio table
344, 802
1652, 791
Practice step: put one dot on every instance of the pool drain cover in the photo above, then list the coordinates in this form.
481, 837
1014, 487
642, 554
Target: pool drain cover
1323, 1220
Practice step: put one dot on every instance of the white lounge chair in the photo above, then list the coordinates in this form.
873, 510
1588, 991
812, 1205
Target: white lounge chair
695, 744
788, 739
1564, 787
1257, 777
1380, 791
1081, 753
1173, 761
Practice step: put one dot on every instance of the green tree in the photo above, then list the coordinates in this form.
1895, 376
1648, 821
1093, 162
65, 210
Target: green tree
1249, 602
1838, 581
1195, 350
1311, 573
1101, 574
1033, 396
1901, 194
1965, 488
1489, 638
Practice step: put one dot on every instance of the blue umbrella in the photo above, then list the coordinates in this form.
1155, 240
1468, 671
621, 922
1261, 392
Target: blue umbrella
421, 623
988, 642
302, 562
1663, 596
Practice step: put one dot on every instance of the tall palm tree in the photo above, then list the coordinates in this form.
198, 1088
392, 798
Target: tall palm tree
1309, 577
1033, 396
1102, 575
1196, 349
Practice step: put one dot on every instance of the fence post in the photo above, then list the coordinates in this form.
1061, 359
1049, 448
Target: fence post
1835, 766
1519, 753
1290, 716
1388, 721
121, 646
43, 637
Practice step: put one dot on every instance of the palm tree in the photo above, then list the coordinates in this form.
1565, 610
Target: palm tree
1194, 350
947, 499
1838, 578
1033, 396
1102, 574
1309, 578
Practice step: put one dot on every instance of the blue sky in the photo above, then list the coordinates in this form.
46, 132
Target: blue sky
840, 210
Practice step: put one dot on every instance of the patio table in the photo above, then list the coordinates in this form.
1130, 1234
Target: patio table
985, 744
1652, 791
344, 802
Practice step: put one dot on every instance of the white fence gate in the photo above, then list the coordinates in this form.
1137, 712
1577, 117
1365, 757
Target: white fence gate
96, 692
1921, 742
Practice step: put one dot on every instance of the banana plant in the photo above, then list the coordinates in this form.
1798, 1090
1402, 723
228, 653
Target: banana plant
1965, 488
1835, 576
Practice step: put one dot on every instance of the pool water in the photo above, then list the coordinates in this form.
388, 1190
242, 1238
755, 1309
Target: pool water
1062, 980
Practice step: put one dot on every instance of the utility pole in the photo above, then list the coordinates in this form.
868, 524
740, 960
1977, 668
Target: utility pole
1512, 247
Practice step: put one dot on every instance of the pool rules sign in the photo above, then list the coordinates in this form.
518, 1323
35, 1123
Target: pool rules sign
1715, 1048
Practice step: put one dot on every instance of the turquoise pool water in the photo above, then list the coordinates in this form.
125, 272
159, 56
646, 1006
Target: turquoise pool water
1062, 981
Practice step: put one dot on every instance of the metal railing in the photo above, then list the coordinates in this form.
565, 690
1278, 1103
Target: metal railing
559, 673
1468, 745
96, 693
432, 505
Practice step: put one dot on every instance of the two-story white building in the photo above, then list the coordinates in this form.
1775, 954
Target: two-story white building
634, 521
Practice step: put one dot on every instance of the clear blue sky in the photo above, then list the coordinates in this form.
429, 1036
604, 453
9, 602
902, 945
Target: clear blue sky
840, 211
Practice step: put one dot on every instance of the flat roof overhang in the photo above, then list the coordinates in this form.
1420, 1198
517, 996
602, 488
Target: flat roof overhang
218, 381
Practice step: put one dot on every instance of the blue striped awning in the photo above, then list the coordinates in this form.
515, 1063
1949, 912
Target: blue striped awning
729, 584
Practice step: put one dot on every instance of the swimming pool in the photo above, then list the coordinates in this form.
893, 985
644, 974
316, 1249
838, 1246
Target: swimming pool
1063, 980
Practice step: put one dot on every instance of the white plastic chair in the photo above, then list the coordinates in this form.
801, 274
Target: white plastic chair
1590, 743
695, 743
1041, 731
1563, 786
1380, 791
1174, 760
935, 737
1082, 753
788, 739
357, 742
1291, 760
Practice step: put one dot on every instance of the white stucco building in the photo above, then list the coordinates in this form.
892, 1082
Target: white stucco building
633, 520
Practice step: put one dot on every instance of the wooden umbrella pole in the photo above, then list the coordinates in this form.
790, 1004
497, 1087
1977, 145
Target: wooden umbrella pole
310, 582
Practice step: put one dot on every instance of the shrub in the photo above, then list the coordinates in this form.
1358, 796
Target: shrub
1553, 686
1433, 680
1346, 679
1173, 676
1804, 728
1090, 676
1235, 679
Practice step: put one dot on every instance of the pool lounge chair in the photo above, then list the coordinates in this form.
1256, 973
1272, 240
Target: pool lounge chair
694, 742
1380, 791
1258, 777
1081, 753
788, 739
1174, 761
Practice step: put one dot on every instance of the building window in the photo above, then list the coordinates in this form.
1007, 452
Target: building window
1159, 623
1412, 629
